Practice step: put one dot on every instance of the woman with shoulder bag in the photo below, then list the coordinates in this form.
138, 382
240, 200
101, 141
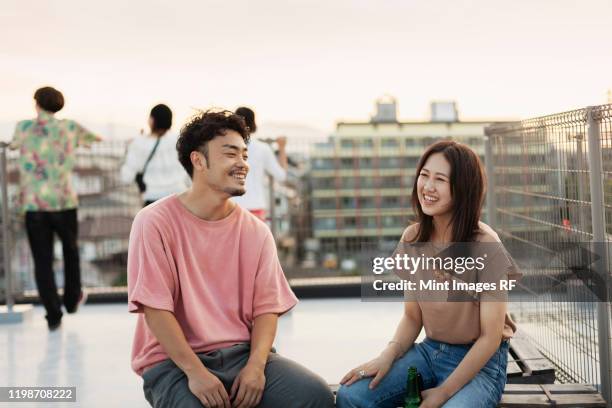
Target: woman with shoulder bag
151, 160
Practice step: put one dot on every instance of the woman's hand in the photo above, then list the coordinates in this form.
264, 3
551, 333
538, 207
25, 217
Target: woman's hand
377, 368
433, 398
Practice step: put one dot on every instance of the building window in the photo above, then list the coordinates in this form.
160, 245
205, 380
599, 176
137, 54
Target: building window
389, 143
347, 163
324, 183
349, 202
350, 222
366, 202
368, 222
390, 202
409, 162
365, 163
325, 203
322, 164
410, 143
348, 182
390, 162
390, 182
390, 221
325, 223
347, 143
366, 182
365, 143
430, 140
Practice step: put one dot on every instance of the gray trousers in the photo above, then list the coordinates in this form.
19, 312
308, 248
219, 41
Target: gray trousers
288, 384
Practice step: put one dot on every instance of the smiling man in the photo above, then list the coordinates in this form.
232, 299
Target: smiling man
204, 276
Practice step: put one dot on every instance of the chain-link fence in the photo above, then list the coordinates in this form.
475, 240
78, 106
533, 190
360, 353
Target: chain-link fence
106, 210
552, 184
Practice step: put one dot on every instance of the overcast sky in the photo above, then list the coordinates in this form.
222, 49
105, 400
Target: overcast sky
305, 62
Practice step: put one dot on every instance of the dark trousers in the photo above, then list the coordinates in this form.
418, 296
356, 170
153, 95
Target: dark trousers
41, 227
288, 384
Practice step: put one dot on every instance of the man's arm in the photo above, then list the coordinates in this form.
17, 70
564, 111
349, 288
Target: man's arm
202, 383
274, 167
282, 152
15, 142
262, 337
84, 136
249, 384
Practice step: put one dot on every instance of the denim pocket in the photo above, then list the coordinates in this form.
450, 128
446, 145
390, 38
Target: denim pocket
495, 368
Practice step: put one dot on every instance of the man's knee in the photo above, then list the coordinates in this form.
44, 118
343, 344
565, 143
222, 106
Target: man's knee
316, 393
167, 386
310, 391
292, 385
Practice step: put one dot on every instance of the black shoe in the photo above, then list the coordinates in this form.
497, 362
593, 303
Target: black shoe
54, 324
81, 301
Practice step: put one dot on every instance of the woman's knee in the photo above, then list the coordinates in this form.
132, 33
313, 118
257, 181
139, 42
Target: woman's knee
477, 393
352, 396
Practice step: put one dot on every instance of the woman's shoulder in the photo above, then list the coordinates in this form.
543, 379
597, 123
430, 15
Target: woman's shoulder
140, 141
486, 234
410, 233
170, 137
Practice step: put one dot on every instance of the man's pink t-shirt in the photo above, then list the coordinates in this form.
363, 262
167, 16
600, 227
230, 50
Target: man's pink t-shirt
215, 276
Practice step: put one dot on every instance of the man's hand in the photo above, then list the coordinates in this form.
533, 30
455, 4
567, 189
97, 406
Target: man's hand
248, 386
208, 389
434, 398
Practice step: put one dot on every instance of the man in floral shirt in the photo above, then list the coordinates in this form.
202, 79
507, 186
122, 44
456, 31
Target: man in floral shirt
47, 156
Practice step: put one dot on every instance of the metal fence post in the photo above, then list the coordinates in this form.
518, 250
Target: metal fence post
490, 169
599, 239
6, 247
582, 217
272, 203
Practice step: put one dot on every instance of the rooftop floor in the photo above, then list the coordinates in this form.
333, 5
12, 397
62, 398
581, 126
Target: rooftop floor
92, 348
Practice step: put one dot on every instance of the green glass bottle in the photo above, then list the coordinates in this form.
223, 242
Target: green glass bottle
413, 393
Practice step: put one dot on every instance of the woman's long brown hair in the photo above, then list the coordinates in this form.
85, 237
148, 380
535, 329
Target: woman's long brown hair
467, 183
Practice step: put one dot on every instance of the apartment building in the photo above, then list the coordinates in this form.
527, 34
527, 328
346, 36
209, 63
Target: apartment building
362, 177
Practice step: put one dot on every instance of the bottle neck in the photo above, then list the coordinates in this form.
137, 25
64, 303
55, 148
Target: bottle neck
413, 396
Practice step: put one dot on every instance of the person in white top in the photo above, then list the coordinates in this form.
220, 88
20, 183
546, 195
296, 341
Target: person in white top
262, 163
163, 174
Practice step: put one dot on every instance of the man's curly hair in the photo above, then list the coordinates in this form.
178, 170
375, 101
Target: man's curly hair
204, 127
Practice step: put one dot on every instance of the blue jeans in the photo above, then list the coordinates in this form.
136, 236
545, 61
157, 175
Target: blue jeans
435, 361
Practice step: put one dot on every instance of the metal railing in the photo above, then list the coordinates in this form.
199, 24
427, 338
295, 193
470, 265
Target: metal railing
6, 241
106, 209
550, 181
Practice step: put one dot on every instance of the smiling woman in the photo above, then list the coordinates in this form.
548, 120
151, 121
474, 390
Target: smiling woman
463, 359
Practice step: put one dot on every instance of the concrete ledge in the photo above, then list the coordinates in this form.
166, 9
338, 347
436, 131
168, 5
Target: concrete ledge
19, 313
309, 288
